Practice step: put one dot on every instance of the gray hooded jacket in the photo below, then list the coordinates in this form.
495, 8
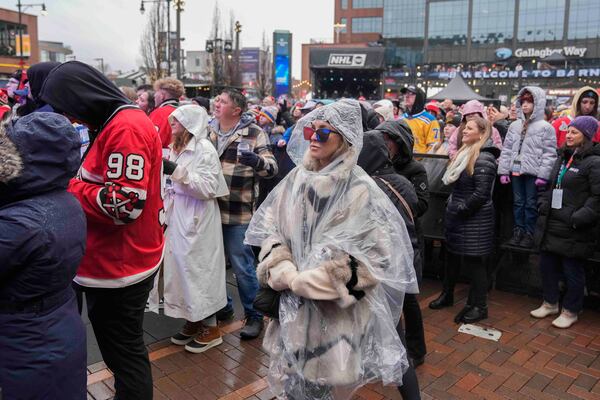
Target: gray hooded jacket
538, 150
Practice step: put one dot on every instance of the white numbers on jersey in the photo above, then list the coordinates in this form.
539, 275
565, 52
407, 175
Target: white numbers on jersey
134, 166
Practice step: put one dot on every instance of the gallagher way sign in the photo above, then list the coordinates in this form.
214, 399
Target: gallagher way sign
514, 74
567, 51
347, 60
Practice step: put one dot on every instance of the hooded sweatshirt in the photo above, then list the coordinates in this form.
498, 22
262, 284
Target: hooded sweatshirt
561, 125
471, 107
534, 146
404, 164
119, 183
424, 126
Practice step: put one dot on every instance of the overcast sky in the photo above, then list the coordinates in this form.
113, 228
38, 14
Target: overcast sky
111, 29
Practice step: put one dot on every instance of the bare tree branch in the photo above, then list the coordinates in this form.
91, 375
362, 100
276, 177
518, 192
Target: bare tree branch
153, 42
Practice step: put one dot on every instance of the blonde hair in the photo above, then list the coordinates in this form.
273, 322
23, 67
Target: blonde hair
170, 85
484, 126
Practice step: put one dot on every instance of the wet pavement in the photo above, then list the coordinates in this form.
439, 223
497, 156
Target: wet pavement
532, 360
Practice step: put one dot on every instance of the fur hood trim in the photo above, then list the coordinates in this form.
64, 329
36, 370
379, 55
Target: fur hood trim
11, 164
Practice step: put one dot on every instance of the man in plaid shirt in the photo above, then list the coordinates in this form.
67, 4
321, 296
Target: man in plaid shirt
245, 155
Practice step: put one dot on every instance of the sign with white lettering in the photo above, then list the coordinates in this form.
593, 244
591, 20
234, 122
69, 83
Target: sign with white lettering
567, 51
516, 74
347, 60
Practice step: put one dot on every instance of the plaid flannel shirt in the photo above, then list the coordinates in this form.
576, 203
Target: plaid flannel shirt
237, 208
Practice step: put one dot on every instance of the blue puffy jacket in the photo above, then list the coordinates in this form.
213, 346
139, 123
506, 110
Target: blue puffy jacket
42, 241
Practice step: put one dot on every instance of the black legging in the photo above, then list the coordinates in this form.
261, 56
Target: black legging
413, 327
410, 384
476, 267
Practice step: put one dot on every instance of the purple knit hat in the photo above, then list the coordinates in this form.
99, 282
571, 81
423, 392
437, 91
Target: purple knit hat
586, 125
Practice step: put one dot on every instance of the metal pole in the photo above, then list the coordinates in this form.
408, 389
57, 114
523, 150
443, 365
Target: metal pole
178, 4
20, 34
169, 37
237, 82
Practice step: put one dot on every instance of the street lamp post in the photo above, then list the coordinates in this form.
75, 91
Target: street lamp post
238, 30
22, 7
217, 47
179, 8
339, 27
168, 36
101, 59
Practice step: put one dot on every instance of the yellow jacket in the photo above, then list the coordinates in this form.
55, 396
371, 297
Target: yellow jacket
425, 129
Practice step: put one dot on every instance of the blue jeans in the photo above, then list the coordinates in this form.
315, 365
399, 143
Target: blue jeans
241, 258
553, 268
525, 202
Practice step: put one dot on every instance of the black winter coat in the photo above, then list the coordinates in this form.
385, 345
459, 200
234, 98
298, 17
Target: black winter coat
571, 230
470, 212
374, 160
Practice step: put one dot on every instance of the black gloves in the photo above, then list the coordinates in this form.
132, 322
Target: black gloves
168, 167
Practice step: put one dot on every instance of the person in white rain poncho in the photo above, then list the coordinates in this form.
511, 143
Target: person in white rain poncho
194, 263
337, 250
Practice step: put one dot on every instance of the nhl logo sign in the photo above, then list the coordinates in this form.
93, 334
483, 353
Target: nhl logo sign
347, 60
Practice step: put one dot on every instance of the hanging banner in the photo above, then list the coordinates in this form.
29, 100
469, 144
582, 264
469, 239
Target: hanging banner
516, 74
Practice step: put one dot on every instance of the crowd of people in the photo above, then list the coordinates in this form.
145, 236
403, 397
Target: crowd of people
123, 200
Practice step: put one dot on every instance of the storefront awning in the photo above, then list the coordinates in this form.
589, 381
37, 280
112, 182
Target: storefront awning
348, 58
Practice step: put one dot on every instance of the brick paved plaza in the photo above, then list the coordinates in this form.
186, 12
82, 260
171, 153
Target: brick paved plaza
532, 360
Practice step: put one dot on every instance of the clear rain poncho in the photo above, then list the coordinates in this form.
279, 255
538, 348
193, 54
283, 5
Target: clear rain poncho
324, 349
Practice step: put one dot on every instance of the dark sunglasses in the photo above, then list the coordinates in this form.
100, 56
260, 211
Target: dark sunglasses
322, 133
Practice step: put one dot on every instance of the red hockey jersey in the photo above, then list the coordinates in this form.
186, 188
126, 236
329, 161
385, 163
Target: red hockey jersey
119, 188
160, 117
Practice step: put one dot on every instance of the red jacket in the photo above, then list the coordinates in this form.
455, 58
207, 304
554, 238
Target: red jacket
119, 188
561, 125
160, 117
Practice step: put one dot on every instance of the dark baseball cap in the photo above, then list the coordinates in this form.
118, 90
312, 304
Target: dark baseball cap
411, 88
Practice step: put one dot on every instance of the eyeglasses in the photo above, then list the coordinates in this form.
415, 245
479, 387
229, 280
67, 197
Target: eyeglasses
322, 133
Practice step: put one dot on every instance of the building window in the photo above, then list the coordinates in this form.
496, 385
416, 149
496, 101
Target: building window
60, 57
583, 20
404, 19
366, 25
8, 35
344, 4
493, 21
448, 22
367, 3
197, 62
44, 56
344, 21
541, 20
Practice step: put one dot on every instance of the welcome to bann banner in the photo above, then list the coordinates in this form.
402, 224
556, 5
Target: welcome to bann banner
512, 74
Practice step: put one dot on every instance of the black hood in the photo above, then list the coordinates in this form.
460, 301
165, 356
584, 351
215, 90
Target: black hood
369, 117
419, 104
82, 92
37, 74
49, 148
374, 155
490, 147
401, 133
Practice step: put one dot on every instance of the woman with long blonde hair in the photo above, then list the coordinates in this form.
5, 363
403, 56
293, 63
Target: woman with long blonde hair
470, 218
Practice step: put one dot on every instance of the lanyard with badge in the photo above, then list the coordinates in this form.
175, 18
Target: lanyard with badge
557, 193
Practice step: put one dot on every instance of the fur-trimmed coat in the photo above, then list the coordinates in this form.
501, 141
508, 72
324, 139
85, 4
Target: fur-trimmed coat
335, 326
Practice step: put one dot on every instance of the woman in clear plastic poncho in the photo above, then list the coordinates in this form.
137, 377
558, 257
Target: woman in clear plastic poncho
336, 248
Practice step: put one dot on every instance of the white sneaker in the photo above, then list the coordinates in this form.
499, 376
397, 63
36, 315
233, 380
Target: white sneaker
565, 320
544, 310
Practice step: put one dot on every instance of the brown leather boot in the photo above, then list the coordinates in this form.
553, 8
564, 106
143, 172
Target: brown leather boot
210, 336
189, 330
